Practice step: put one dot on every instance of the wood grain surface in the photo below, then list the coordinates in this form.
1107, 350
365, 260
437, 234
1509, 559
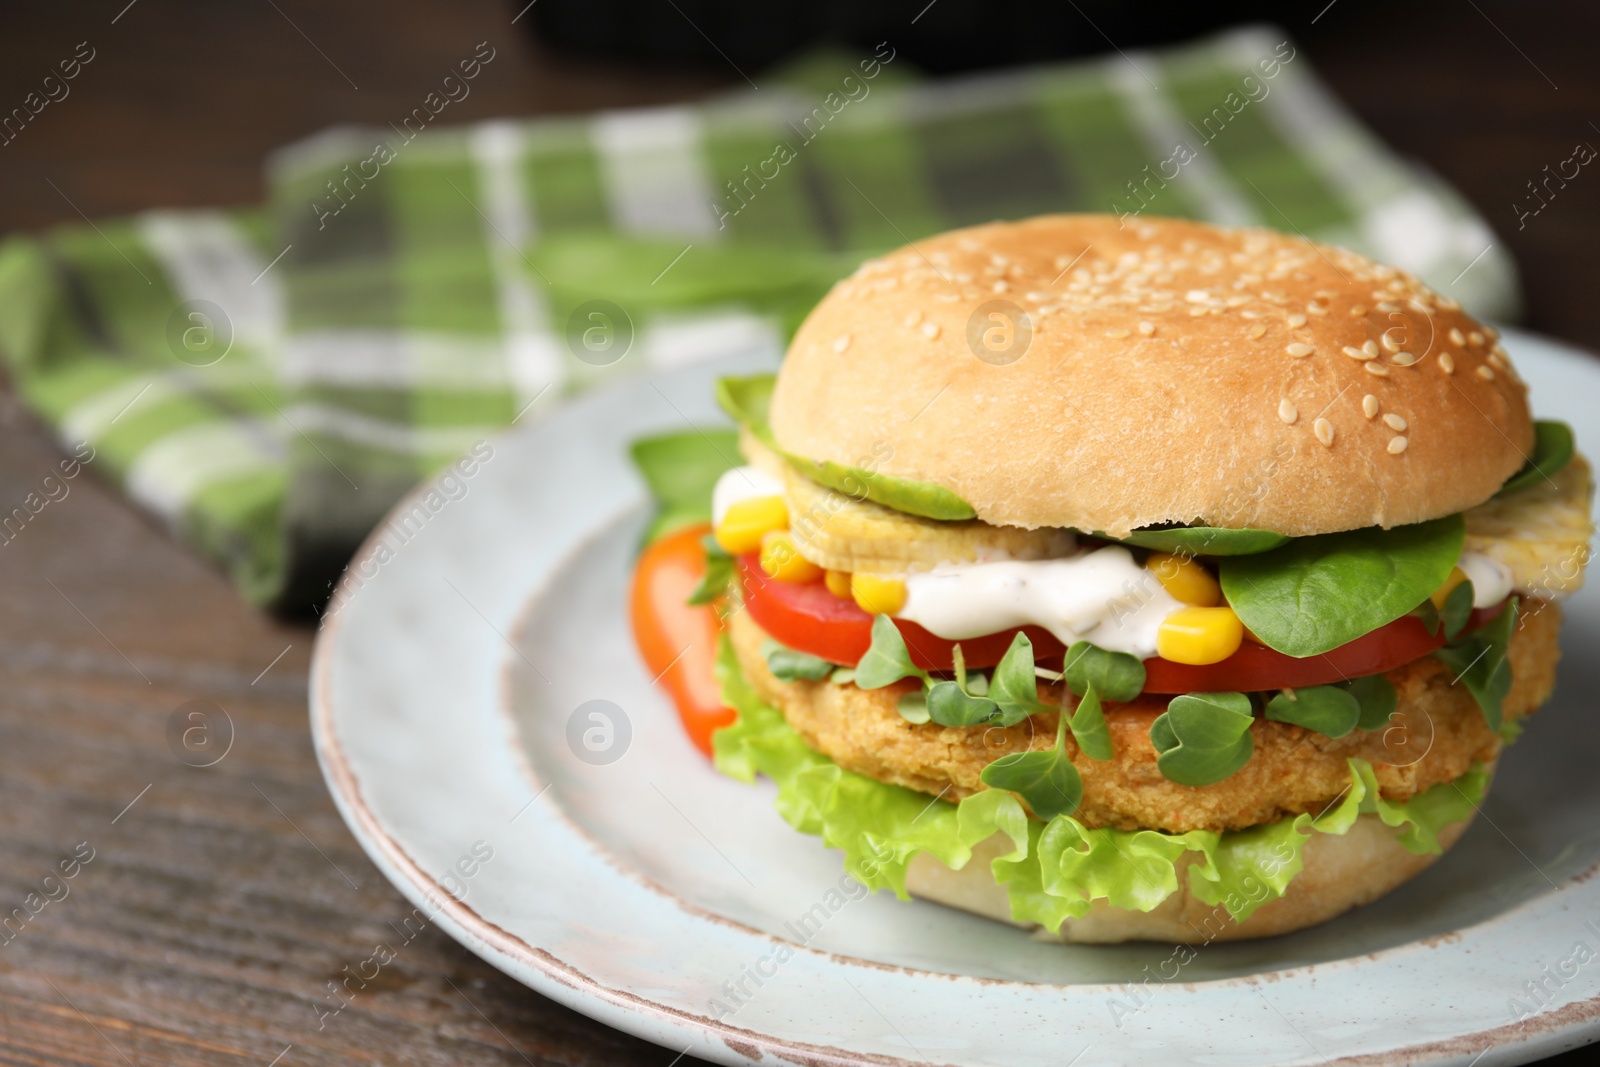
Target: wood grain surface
220, 901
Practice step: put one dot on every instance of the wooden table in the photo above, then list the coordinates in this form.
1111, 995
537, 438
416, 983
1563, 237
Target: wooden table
219, 901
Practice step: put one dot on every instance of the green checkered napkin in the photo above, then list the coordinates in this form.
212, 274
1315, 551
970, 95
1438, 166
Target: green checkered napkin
395, 304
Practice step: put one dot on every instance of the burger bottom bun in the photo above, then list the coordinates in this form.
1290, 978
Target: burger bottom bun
1339, 873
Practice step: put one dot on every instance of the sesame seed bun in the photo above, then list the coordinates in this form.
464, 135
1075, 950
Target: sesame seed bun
1074, 370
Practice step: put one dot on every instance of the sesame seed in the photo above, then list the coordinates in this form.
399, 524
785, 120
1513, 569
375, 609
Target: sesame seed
1296, 320
1369, 406
1324, 431
1357, 353
1404, 359
930, 330
1388, 305
913, 319
1357, 310
1316, 309
1475, 338
1389, 343
1001, 286
1497, 361
1370, 348
841, 342
1397, 445
1447, 363
1258, 331
1287, 411
1377, 369
1486, 373
1197, 296
1394, 422
1456, 336
1118, 334
1299, 349
1147, 328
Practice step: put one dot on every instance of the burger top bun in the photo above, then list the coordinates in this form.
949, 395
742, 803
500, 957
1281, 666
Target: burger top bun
1106, 374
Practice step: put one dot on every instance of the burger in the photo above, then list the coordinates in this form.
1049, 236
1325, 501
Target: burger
1122, 579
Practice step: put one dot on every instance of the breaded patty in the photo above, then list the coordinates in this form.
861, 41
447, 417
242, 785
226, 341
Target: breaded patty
1436, 735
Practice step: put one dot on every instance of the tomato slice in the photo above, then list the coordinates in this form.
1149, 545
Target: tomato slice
676, 639
1256, 667
809, 618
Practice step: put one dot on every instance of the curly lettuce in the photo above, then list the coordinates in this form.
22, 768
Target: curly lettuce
1057, 869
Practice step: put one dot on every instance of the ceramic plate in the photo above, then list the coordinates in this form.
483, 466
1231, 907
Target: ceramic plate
495, 744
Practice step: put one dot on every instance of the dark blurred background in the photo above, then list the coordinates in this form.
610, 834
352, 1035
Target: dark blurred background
209, 919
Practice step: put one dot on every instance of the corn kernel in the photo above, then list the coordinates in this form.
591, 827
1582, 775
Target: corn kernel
1199, 636
1441, 594
747, 520
783, 561
838, 583
876, 594
1185, 579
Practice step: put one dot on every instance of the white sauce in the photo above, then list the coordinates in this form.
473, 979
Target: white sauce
741, 483
1102, 596
1491, 579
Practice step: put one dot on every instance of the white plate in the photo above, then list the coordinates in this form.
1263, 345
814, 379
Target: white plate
445, 690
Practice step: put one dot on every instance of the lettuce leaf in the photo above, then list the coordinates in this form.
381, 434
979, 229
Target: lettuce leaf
1055, 870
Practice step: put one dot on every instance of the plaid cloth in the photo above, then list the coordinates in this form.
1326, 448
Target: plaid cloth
408, 293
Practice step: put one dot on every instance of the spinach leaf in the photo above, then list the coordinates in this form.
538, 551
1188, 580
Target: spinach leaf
886, 660
1552, 450
1014, 686
1457, 610
1089, 726
1377, 698
1325, 709
680, 470
746, 401
1206, 540
1203, 738
1317, 593
1117, 676
719, 572
1479, 662
787, 664
1047, 781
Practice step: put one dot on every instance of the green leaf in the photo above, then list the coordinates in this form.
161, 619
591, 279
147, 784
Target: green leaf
1325, 709
1054, 870
1205, 540
1457, 610
1479, 662
1116, 676
1047, 781
1377, 698
1089, 727
1316, 593
913, 707
1552, 450
887, 659
680, 470
950, 705
1203, 738
1014, 686
719, 572
1429, 616
843, 676
787, 664
746, 401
